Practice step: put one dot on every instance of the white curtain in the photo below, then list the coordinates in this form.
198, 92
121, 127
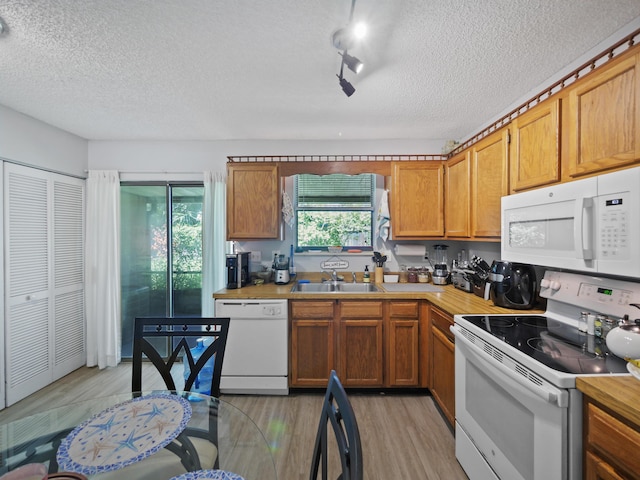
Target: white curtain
103, 269
214, 244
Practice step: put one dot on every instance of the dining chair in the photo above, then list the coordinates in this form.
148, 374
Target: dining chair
337, 412
163, 342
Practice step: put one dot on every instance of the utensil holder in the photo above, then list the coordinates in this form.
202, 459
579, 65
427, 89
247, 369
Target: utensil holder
379, 274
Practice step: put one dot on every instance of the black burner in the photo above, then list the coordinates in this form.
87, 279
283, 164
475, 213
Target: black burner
553, 343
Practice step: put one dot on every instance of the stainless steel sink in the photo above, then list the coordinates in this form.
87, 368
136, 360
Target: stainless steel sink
334, 287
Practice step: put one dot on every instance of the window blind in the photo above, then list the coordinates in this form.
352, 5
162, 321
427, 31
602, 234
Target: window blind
337, 191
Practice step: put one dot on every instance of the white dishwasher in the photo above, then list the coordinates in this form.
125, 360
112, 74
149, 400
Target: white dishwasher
256, 357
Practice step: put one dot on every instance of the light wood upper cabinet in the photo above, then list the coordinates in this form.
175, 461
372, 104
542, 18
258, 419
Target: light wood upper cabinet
489, 174
535, 147
458, 196
417, 200
604, 119
253, 202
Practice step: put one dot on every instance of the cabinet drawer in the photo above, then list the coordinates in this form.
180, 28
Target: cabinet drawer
309, 309
442, 321
355, 309
404, 309
613, 438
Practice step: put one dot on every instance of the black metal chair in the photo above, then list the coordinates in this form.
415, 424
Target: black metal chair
337, 412
174, 335
164, 341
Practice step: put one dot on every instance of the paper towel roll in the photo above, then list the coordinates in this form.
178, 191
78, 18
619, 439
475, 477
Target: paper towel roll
410, 250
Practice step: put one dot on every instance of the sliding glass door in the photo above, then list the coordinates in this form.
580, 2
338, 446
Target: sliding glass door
161, 252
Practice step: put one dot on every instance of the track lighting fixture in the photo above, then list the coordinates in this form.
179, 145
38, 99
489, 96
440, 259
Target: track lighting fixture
344, 39
347, 88
353, 63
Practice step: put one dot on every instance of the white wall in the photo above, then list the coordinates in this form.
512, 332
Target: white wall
25, 140
196, 156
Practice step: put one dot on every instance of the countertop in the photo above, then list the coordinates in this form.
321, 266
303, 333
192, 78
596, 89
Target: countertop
451, 299
618, 393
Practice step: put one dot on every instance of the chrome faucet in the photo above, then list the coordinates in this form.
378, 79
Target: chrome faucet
333, 274
353, 276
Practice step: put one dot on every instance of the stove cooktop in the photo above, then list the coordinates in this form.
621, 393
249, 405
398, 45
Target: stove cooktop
557, 345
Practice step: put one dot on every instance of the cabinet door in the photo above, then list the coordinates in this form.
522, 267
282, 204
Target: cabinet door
403, 342
253, 202
443, 364
458, 196
597, 469
604, 122
535, 147
490, 173
311, 352
360, 343
417, 200
312, 343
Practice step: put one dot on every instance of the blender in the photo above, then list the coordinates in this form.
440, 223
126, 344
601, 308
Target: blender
440, 272
282, 275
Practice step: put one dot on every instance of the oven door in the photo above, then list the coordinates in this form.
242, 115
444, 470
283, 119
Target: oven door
507, 426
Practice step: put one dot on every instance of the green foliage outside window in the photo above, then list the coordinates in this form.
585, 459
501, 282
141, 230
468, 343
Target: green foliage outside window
187, 248
326, 228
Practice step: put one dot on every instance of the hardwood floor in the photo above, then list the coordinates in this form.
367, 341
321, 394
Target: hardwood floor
403, 434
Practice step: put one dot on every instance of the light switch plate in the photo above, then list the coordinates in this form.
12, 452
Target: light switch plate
256, 256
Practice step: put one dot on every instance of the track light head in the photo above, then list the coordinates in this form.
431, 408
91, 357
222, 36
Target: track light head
352, 62
347, 88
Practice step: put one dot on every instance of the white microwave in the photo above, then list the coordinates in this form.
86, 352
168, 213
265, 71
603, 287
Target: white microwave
590, 225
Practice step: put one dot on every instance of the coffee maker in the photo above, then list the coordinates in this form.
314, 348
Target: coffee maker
513, 285
238, 271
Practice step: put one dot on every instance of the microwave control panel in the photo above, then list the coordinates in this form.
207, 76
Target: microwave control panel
614, 226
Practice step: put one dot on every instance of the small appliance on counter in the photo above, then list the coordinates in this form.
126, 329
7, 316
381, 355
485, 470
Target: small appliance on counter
238, 270
440, 271
513, 285
461, 279
282, 275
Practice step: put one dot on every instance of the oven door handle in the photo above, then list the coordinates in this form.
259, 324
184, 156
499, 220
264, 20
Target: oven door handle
548, 394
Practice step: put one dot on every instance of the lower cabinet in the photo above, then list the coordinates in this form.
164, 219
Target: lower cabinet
312, 341
370, 343
403, 343
443, 363
611, 445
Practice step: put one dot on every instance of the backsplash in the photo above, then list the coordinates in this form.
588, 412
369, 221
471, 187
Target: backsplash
311, 262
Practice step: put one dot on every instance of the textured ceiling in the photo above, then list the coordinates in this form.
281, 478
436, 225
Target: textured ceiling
250, 69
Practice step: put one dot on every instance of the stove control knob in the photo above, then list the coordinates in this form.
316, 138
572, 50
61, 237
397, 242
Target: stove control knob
552, 284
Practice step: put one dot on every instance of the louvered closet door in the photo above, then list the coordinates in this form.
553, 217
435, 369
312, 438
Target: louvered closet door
68, 275
27, 296
44, 276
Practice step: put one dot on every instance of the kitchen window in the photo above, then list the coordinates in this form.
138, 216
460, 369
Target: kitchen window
334, 209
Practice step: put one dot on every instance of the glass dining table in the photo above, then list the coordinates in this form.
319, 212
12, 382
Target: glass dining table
136, 435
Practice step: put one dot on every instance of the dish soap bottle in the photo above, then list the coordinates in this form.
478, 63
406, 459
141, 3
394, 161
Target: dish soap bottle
367, 276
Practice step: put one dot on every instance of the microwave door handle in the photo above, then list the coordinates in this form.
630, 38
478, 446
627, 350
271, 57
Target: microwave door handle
583, 205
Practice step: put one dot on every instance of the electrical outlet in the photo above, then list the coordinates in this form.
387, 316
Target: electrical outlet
256, 257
